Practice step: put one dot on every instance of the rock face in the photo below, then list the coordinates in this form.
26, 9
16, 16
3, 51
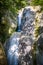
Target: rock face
25, 56
27, 37
28, 21
3, 60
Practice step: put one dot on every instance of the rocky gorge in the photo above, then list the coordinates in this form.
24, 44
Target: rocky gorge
18, 47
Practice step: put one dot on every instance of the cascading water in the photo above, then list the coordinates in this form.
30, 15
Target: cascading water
12, 45
19, 21
12, 50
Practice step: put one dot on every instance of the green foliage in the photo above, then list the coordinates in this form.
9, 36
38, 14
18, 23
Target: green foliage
11, 5
6, 6
38, 31
37, 2
4, 31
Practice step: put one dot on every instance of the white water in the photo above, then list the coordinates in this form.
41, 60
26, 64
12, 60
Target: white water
13, 52
19, 20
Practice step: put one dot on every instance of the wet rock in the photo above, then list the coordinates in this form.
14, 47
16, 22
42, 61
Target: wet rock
27, 22
25, 46
27, 19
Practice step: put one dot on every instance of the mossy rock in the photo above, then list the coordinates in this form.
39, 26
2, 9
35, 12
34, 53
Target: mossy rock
3, 60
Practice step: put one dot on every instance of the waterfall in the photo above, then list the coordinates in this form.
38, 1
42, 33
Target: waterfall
11, 48
21, 39
19, 20
13, 52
